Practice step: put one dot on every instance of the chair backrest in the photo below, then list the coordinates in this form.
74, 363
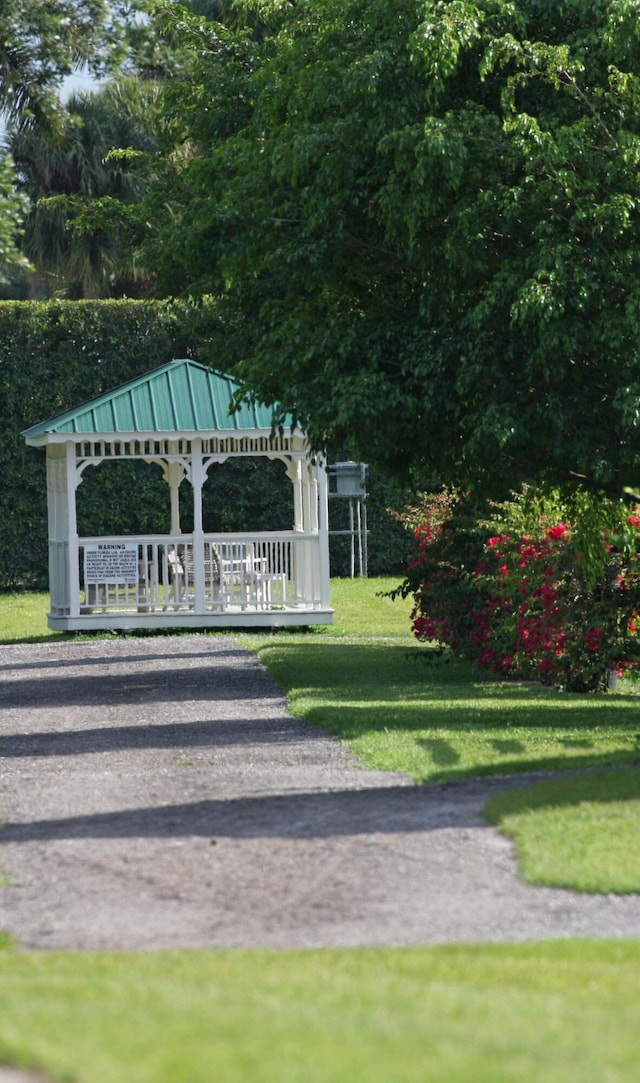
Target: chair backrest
212, 565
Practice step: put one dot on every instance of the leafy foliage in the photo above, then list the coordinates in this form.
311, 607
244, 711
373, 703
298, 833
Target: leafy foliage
423, 220
519, 593
54, 356
40, 43
89, 161
13, 209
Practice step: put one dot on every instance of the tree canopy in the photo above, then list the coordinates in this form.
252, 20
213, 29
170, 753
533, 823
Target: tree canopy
41, 43
89, 161
421, 219
77, 160
13, 208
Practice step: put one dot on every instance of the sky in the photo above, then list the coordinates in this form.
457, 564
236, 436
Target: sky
79, 81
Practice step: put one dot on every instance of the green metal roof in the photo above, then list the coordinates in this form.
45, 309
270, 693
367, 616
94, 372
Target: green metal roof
181, 396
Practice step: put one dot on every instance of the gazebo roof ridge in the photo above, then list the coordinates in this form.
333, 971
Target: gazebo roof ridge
181, 396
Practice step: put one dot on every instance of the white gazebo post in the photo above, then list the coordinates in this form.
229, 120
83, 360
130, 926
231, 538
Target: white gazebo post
58, 518
323, 529
198, 478
74, 569
64, 577
294, 470
308, 565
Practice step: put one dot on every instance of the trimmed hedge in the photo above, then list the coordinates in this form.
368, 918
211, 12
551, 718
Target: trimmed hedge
54, 355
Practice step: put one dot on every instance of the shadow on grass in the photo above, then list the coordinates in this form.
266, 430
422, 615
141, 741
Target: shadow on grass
602, 787
443, 723
436, 746
54, 637
373, 670
111, 633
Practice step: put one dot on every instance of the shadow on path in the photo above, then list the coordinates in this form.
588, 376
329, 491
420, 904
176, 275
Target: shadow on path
209, 733
386, 811
205, 682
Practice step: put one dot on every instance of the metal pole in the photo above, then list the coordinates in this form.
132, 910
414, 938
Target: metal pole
359, 518
353, 554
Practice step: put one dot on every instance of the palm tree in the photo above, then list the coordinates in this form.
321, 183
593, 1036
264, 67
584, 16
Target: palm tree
41, 43
75, 254
80, 174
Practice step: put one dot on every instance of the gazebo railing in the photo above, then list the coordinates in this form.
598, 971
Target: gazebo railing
217, 573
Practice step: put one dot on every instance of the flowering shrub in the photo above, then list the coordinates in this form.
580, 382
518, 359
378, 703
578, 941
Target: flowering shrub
525, 592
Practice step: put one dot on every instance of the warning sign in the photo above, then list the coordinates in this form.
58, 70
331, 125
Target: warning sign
111, 562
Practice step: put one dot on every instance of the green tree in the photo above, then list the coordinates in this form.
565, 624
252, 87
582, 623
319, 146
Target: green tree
89, 162
41, 43
13, 208
79, 164
422, 222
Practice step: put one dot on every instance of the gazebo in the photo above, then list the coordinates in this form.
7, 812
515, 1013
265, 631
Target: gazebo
180, 416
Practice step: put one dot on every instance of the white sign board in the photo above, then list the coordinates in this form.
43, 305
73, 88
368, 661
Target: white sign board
111, 562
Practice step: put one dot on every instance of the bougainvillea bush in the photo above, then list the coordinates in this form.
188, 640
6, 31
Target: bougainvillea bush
534, 588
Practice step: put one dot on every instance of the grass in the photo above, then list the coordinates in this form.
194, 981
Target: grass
402, 709
360, 612
580, 832
442, 724
24, 618
563, 1012
554, 1012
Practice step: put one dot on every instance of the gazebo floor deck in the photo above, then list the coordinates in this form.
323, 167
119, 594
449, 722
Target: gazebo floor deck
232, 617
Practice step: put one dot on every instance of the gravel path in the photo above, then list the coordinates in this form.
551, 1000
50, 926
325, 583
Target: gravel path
155, 793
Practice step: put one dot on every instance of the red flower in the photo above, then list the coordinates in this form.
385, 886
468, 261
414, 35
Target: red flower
593, 639
558, 531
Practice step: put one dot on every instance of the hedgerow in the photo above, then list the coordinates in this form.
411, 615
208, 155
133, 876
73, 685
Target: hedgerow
55, 355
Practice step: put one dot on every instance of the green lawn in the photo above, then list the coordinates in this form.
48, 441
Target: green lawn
368, 681
564, 1012
580, 832
23, 617
401, 708
555, 1012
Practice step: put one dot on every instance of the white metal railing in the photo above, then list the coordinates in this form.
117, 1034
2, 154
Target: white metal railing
216, 573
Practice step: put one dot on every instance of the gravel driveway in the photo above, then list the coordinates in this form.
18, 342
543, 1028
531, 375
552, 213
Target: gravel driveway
155, 793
